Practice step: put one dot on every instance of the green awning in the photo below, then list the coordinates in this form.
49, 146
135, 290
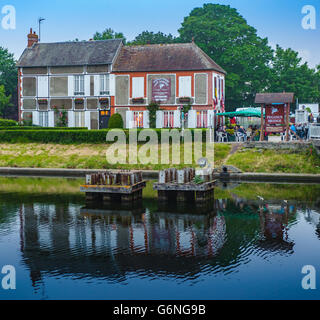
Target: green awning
250, 112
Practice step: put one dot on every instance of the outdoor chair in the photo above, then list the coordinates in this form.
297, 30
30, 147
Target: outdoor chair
240, 137
222, 137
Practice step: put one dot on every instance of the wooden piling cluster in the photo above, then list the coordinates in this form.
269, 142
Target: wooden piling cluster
107, 186
186, 185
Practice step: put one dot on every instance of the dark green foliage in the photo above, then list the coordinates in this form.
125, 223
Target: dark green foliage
7, 123
109, 34
116, 121
147, 37
69, 136
17, 127
153, 107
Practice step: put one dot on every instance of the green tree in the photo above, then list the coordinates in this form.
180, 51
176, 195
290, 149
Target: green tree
148, 37
116, 121
108, 34
291, 75
153, 107
8, 71
225, 36
4, 100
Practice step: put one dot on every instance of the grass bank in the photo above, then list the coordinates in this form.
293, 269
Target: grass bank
82, 156
276, 161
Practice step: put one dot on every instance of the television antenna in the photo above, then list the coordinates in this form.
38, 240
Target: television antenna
40, 20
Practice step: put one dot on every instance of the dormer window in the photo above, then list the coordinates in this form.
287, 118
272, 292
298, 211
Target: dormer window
104, 85
79, 85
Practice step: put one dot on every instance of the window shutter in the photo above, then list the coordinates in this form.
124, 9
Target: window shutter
96, 85
129, 119
35, 118
159, 121
51, 119
137, 87
87, 119
177, 119
112, 85
192, 119
146, 119
184, 86
71, 120
87, 85
210, 119
71, 86
43, 91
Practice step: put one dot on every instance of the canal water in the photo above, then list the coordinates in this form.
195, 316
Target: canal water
251, 242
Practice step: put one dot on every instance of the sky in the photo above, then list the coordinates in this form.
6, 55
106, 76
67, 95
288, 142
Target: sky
278, 20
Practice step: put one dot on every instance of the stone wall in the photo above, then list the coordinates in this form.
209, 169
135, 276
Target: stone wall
293, 145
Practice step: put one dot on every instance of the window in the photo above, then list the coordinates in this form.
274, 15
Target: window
138, 119
79, 85
202, 119
43, 119
104, 85
168, 119
79, 120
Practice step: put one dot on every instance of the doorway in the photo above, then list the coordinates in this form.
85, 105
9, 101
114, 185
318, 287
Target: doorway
104, 117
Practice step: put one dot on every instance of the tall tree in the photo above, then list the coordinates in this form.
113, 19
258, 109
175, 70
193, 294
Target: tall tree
8, 71
108, 34
291, 75
8, 84
148, 37
4, 100
227, 38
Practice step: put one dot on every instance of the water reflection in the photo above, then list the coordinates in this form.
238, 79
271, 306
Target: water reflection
62, 239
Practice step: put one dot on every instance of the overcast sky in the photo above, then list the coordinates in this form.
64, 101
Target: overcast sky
279, 20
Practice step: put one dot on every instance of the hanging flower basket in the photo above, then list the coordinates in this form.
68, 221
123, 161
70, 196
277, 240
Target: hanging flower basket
185, 100
137, 100
79, 101
104, 100
43, 101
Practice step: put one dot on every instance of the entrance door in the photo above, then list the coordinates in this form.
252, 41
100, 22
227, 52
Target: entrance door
104, 117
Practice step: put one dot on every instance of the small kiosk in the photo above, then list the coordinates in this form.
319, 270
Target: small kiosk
277, 112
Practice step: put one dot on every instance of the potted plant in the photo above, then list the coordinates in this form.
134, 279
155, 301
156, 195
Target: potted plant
184, 99
137, 100
79, 101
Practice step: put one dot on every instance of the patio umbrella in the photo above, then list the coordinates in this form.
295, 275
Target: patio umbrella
250, 112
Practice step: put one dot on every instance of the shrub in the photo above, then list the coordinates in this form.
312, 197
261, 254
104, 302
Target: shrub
7, 123
67, 136
38, 128
116, 121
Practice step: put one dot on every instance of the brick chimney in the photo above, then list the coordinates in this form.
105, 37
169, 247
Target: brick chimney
32, 38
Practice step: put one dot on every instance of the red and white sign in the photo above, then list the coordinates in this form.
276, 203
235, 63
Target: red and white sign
161, 89
275, 115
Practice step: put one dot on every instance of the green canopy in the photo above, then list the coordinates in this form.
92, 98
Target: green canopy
250, 112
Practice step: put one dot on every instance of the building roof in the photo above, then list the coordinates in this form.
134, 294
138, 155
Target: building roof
75, 53
269, 98
164, 57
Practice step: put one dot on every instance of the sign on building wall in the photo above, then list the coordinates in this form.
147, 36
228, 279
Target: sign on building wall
161, 89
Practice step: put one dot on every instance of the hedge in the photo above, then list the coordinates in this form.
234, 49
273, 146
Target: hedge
21, 128
7, 123
65, 136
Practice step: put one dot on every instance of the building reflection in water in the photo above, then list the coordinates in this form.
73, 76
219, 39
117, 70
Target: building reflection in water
110, 243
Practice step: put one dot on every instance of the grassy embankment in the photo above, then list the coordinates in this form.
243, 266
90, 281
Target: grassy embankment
276, 161
93, 156
80, 156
